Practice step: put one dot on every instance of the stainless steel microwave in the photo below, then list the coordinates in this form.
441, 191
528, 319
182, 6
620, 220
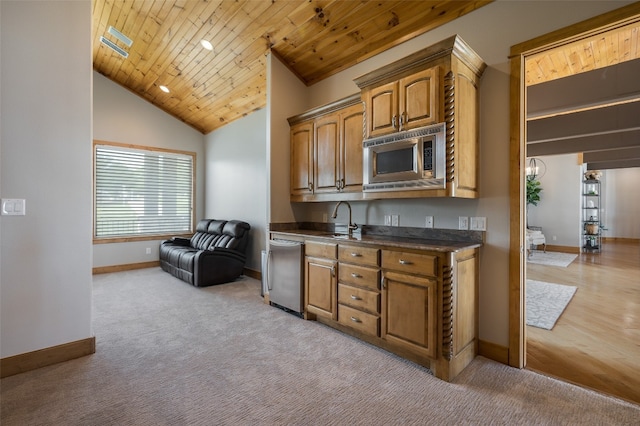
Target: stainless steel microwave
410, 160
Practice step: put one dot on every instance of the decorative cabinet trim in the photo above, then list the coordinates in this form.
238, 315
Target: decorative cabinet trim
314, 113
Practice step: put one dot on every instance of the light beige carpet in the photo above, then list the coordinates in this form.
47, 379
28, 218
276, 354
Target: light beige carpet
172, 354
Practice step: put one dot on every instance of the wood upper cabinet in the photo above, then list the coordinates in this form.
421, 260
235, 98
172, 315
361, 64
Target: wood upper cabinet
434, 85
419, 99
351, 135
407, 103
334, 145
302, 158
327, 153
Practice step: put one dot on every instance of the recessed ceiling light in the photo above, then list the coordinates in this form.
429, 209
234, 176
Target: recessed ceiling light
206, 44
165, 89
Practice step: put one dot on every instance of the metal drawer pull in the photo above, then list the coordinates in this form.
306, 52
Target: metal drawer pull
405, 262
354, 297
354, 275
354, 319
356, 255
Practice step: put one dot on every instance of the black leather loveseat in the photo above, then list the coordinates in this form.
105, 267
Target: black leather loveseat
215, 254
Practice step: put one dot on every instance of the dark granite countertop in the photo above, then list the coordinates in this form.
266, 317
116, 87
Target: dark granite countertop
440, 240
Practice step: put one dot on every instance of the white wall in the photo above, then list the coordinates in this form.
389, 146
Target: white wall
121, 116
490, 31
559, 210
45, 272
286, 96
621, 203
236, 178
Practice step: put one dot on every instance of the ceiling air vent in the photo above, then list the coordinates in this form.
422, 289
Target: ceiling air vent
123, 38
113, 46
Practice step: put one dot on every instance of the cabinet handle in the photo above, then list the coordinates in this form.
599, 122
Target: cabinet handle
405, 262
338, 185
401, 121
383, 283
311, 186
394, 119
354, 319
333, 271
341, 184
354, 275
354, 254
354, 297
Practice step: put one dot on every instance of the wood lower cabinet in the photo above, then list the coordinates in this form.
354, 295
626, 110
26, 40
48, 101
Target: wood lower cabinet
409, 312
320, 278
359, 288
419, 304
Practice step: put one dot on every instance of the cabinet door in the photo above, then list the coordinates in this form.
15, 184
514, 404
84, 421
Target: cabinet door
420, 99
320, 287
327, 139
409, 317
302, 159
351, 149
382, 109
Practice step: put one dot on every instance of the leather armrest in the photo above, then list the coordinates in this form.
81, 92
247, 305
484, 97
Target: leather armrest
180, 241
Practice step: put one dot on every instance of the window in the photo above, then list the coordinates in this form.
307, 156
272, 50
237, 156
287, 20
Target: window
140, 192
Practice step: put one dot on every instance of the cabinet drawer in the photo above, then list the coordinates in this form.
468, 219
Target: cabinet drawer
362, 276
413, 263
359, 298
317, 249
360, 255
361, 321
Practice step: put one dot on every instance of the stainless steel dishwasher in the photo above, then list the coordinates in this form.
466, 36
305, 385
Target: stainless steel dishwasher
284, 281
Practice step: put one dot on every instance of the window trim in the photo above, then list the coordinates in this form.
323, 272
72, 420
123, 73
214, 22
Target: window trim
146, 237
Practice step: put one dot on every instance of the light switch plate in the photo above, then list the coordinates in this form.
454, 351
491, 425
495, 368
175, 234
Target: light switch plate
463, 222
13, 207
395, 220
387, 220
478, 224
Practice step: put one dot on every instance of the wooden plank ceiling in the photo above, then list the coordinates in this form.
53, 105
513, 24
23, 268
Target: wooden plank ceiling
591, 53
208, 89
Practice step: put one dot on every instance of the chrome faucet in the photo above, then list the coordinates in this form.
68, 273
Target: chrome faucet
351, 225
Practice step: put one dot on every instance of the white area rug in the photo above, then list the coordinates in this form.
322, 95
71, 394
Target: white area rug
546, 302
551, 258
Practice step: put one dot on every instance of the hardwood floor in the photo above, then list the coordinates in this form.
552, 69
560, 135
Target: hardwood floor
596, 341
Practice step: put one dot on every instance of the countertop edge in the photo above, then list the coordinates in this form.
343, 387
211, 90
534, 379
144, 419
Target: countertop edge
375, 239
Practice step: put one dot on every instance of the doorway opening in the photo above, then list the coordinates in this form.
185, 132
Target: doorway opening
521, 70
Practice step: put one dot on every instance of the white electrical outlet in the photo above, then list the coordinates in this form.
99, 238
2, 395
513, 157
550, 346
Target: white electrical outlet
387, 220
325, 217
148, 250
463, 222
428, 223
395, 220
478, 224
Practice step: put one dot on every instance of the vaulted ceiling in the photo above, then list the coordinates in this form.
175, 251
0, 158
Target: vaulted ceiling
160, 45
584, 97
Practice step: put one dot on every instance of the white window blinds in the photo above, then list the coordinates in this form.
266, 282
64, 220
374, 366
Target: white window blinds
141, 192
